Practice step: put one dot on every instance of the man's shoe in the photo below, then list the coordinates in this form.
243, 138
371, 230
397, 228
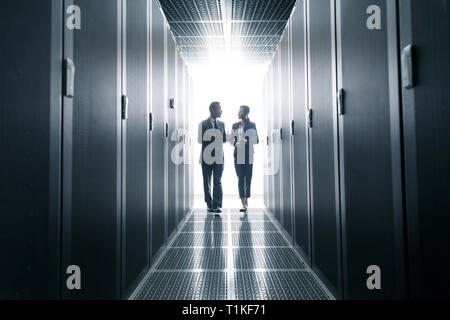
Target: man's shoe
211, 210
218, 210
242, 210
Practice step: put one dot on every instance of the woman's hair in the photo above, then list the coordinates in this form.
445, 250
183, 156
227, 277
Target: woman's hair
246, 109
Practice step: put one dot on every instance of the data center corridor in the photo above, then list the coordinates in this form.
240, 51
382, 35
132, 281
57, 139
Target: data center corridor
100, 107
231, 257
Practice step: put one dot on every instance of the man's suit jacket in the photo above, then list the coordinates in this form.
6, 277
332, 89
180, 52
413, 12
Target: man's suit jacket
205, 126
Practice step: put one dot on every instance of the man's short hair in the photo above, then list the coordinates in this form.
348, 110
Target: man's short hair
213, 106
246, 109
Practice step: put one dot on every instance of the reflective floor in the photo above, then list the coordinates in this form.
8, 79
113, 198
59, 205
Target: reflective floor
229, 257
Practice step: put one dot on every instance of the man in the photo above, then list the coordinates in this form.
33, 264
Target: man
212, 136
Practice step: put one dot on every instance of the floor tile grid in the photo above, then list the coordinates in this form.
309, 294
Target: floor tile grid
230, 268
153, 269
310, 271
261, 291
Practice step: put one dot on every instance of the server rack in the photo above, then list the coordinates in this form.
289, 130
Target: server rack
179, 138
172, 106
191, 105
186, 141
92, 152
286, 135
267, 158
369, 134
277, 140
357, 211
158, 104
135, 222
323, 140
266, 142
30, 174
300, 132
270, 129
90, 102
424, 29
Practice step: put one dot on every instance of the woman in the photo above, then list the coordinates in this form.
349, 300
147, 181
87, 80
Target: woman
243, 138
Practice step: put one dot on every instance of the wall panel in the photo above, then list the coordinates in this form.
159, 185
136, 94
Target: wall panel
323, 142
300, 138
135, 217
426, 132
92, 176
158, 104
371, 200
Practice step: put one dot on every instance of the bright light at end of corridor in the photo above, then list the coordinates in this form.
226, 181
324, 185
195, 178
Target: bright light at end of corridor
228, 73
233, 80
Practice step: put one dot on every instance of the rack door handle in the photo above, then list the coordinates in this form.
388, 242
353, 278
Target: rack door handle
340, 98
310, 118
407, 67
69, 78
124, 107
150, 121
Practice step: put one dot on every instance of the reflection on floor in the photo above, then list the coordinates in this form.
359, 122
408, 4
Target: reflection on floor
234, 256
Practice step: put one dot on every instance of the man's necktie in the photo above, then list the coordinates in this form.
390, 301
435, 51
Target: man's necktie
213, 153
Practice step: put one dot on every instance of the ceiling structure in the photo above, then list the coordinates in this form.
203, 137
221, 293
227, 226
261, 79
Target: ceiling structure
251, 28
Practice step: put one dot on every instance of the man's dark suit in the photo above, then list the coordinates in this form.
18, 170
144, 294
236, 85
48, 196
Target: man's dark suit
212, 170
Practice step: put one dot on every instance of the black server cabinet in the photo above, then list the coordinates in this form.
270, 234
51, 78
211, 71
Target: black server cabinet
286, 139
190, 140
186, 140
136, 218
300, 133
425, 27
270, 131
323, 142
180, 139
190, 161
172, 106
192, 128
188, 151
92, 168
183, 137
30, 140
277, 137
158, 105
369, 147
269, 141
266, 142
